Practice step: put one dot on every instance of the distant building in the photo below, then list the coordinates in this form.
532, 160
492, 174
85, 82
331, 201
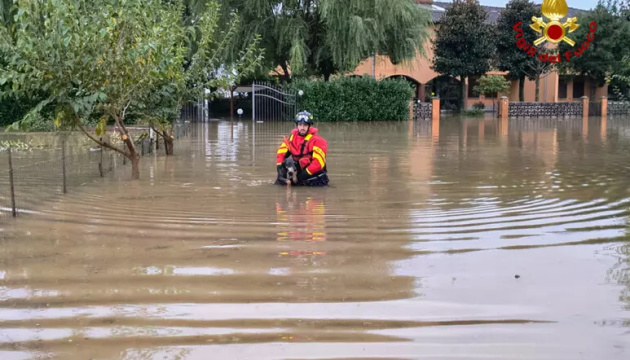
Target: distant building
552, 88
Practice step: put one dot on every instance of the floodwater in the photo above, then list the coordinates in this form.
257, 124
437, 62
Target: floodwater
477, 239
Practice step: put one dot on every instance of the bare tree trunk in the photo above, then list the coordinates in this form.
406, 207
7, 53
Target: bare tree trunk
135, 166
168, 141
537, 86
521, 88
168, 145
285, 69
133, 155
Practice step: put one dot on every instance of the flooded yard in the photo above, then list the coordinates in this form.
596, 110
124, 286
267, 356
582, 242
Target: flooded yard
480, 239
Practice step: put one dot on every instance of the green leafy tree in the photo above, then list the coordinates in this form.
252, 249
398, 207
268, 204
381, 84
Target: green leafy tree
89, 57
324, 37
464, 43
212, 66
620, 82
489, 84
604, 57
509, 57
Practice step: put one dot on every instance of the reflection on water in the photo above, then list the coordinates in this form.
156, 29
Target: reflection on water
471, 238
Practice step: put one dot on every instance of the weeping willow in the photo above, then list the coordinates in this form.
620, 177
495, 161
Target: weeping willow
323, 37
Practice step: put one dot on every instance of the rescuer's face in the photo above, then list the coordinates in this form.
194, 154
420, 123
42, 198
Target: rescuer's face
302, 129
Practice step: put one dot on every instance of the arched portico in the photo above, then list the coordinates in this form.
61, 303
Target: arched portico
419, 88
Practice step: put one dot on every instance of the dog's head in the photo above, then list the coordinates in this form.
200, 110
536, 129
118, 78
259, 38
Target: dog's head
290, 165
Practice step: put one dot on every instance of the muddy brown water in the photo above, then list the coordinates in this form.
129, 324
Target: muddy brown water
480, 240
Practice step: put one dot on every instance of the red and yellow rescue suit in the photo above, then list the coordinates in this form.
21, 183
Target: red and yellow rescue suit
308, 151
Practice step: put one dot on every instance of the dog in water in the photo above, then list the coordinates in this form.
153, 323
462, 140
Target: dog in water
291, 171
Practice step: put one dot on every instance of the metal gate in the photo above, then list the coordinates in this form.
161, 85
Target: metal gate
272, 103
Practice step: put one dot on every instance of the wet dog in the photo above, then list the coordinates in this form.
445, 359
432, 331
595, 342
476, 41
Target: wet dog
291, 171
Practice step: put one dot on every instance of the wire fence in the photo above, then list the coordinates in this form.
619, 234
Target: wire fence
57, 163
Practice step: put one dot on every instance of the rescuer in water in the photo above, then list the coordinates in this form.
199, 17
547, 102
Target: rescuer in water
301, 159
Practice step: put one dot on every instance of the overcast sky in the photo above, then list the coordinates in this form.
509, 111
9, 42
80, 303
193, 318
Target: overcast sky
577, 4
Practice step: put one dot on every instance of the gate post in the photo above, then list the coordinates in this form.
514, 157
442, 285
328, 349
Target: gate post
504, 107
584, 106
435, 109
604, 106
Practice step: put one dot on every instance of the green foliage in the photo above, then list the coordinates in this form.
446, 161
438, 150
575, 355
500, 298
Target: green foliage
323, 37
473, 112
215, 65
479, 105
489, 84
508, 56
619, 84
605, 54
464, 44
355, 99
89, 56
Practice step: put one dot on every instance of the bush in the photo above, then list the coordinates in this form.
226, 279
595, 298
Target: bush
355, 99
479, 106
473, 112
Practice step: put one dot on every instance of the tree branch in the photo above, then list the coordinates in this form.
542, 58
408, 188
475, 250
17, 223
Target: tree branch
101, 143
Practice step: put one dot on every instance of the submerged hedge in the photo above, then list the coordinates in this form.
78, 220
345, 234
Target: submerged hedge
355, 99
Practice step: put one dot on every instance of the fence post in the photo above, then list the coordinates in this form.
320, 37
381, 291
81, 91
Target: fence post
584, 106
435, 109
63, 164
604, 106
11, 183
504, 107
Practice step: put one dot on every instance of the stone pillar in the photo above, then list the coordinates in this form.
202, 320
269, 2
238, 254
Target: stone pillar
435, 118
604, 106
411, 112
504, 107
585, 106
435, 109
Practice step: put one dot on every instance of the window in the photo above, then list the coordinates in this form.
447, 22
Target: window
562, 88
578, 89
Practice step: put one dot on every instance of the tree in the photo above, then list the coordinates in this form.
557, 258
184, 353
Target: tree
212, 65
489, 84
509, 57
604, 55
620, 82
323, 37
109, 59
94, 57
463, 45
538, 68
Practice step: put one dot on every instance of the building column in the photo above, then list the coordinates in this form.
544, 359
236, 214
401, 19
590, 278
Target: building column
604, 106
570, 90
421, 92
